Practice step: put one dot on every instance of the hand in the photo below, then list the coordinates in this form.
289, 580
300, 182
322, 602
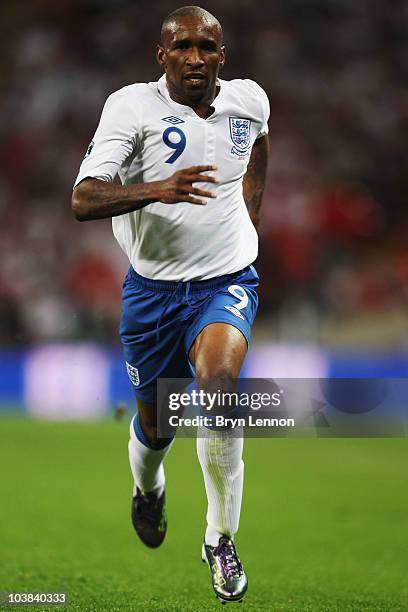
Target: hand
179, 186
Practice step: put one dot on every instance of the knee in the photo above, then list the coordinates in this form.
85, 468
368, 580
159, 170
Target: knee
223, 372
212, 379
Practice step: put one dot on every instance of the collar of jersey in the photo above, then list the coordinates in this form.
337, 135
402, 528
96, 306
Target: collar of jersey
163, 89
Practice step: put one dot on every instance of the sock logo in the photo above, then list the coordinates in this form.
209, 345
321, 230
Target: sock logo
133, 374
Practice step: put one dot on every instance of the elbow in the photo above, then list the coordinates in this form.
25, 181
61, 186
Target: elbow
79, 204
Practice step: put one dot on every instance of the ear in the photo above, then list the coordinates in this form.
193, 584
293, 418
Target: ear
161, 56
222, 56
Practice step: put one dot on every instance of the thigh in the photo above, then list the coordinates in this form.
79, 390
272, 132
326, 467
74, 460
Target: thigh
222, 332
219, 350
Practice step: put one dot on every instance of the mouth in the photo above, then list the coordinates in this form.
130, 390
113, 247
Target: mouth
195, 78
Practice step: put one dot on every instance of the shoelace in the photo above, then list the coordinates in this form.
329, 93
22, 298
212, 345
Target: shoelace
147, 506
229, 558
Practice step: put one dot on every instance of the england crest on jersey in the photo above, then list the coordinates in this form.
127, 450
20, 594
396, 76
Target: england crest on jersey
240, 130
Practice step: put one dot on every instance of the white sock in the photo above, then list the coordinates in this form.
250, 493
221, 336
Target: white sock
146, 465
220, 456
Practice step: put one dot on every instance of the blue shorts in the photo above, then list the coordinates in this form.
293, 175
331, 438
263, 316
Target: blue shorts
161, 320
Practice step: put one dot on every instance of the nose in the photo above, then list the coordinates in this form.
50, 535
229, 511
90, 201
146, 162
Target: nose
194, 58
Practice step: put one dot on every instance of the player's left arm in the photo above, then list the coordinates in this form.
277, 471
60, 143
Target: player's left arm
254, 178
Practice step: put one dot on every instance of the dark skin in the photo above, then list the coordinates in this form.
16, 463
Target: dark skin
254, 179
191, 53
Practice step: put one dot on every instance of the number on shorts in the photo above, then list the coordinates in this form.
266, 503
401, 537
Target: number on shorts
241, 295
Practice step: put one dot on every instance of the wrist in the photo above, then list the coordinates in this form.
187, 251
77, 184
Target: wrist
146, 193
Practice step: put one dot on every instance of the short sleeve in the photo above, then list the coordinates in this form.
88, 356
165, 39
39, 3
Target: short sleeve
262, 105
114, 141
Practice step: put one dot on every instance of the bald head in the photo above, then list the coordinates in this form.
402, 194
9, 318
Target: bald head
171, 22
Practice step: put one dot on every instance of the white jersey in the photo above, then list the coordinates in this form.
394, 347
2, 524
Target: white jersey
144, 136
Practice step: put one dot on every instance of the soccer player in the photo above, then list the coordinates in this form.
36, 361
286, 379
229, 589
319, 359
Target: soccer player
179, 164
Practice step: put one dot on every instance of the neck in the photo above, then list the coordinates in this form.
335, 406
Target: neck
203, 109
200, 102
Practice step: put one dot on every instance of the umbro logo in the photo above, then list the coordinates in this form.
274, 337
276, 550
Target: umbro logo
235, 312
173, 120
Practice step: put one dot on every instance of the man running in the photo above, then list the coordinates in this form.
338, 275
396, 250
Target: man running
179, 164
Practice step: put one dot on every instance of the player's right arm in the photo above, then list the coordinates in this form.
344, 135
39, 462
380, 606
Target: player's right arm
98, 199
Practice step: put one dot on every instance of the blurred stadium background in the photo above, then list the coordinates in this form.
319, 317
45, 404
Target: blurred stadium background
334, 255
330, 530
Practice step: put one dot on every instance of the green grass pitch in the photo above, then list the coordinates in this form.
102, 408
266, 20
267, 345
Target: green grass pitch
324, 523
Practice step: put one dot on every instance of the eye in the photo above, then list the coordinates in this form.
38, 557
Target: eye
183, 44
209, 46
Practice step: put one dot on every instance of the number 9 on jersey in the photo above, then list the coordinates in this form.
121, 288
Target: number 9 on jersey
175, 139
